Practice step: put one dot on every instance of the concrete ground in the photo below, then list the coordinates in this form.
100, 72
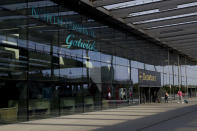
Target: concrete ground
146, 117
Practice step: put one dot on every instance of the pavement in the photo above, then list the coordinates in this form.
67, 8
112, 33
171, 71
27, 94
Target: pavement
170, 116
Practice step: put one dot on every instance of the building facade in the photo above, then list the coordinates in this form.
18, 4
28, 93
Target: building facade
57, 59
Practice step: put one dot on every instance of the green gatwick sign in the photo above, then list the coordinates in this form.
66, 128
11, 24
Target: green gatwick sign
72, 42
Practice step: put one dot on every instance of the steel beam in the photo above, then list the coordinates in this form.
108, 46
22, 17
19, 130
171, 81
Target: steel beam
162, 14
167, 22
173, 28
123, 12
99, 3
185, 37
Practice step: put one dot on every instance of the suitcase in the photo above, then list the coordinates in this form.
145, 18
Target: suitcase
186, 101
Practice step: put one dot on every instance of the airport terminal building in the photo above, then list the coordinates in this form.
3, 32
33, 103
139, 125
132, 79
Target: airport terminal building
66, 57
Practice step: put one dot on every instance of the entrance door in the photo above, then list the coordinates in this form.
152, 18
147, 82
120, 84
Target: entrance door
148, 94
144, 94
154, 93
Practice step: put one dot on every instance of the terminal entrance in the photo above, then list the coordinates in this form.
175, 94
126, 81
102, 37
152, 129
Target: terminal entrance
149, 86
149, 94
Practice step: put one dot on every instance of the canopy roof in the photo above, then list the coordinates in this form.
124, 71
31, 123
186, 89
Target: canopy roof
172, 22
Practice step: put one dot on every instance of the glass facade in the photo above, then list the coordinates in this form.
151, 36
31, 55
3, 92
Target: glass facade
55, 61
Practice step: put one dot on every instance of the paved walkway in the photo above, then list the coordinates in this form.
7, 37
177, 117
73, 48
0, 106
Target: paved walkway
148, 117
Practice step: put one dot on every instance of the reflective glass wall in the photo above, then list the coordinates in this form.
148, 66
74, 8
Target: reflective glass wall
55, 61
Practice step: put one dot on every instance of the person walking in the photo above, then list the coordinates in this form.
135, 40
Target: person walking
180, 94
166, 97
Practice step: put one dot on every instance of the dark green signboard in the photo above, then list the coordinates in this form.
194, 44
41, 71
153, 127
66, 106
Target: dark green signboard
149, 78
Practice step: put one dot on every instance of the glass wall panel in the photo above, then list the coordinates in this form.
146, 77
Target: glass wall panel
121, 73
13, 64
107, 73
140, 65
149, 67
134, 64
134, 75
159, 68
106, 58
121, 61
135, 80
94, 55
71, 68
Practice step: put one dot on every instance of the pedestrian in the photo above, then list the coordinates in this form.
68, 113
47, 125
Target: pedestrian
180, 95
166, 97
108, 93
130, 97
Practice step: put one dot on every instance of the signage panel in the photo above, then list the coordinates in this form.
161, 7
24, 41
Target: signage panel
149, 78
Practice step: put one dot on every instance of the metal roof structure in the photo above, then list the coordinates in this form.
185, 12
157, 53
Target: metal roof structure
172, 22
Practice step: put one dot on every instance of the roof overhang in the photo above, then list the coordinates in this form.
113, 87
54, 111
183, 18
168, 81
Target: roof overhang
169, 22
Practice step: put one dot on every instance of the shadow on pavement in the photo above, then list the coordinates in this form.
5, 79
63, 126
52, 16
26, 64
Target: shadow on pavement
151, 120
